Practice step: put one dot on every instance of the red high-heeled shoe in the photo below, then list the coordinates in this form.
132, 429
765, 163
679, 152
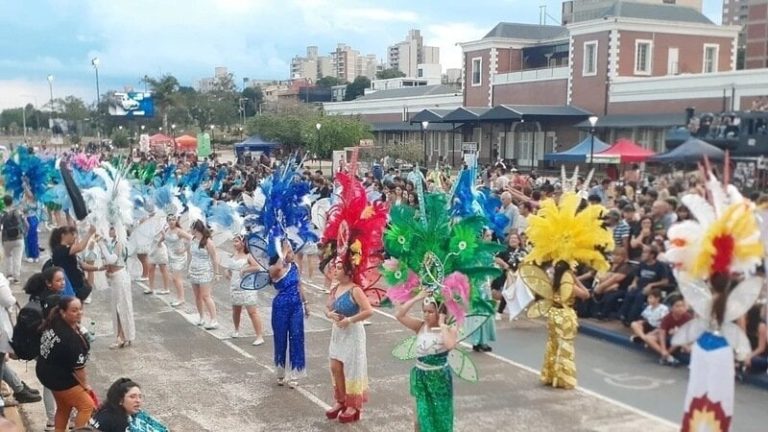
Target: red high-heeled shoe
349, 418
333, 413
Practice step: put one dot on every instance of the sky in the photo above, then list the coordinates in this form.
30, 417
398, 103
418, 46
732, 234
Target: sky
253, 38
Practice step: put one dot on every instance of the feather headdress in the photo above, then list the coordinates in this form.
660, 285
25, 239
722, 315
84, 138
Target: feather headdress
285, 210
111, 205
439, 253
24, 170
564, 232
468, 200
724, 238
354, 228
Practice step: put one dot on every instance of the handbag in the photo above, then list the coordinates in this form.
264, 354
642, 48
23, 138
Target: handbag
143, 422
84, 291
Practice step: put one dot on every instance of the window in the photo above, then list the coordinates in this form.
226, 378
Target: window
590, 59
643, 53
477, 71
711, 54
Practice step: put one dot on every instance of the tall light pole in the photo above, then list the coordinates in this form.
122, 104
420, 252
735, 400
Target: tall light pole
592, 123
50, 87
213, 144
318, 125
95, 64
424, 126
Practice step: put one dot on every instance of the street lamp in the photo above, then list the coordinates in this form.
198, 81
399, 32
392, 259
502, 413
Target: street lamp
50, 87
592, 123
424, 126
318, 125
213, 144
95, 64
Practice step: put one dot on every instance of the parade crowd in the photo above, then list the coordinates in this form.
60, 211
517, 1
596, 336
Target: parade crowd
175, 241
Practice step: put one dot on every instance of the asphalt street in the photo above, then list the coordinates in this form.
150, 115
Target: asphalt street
197, 380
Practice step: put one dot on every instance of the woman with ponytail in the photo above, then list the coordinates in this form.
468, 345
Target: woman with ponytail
202, 269
61, 365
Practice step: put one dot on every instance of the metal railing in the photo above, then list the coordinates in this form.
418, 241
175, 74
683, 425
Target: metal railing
560, 72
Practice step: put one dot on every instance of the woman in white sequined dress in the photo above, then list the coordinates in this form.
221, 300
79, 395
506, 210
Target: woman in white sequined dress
242, 263
176, 240
203, 267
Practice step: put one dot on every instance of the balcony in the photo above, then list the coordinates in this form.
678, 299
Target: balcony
542, 74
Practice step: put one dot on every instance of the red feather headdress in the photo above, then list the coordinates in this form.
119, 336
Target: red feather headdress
356, 227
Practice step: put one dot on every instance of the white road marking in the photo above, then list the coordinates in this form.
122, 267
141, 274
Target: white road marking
536, 372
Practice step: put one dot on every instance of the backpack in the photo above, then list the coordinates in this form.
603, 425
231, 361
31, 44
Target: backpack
12, 230
26, 332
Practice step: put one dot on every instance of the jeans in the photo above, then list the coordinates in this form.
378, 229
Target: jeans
632, 308
50, 405
13, 380
13, 250
77, 398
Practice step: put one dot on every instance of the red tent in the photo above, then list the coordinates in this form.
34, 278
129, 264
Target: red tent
159, 138
186, 142
623, 151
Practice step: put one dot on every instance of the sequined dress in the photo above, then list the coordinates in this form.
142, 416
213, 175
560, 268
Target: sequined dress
348, 346
432, 382
239, 296
177, 253
200, 266
288, 324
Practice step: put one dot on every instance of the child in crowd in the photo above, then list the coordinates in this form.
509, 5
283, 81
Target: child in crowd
647, 328
678, 316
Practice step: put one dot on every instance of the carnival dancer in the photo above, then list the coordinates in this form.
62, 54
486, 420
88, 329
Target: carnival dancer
353, 235
158, 257
289, 308
31, 242
431, 378
564, 235
176, 240
241, 263
115, 254
438, 261
715, 257
202, 268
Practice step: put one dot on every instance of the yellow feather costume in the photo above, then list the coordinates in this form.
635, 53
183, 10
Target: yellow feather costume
562, 233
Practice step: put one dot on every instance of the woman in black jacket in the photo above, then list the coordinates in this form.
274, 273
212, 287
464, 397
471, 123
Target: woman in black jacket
61, 365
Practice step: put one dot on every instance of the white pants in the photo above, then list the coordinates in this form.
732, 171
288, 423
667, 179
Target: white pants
13, 250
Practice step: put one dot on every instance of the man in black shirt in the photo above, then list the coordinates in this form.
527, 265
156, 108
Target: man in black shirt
650, 274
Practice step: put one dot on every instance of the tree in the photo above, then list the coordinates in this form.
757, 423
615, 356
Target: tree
336, 133
328, 82
357, 88
73, 108
389, 73
120, 138
165, 93
255, 97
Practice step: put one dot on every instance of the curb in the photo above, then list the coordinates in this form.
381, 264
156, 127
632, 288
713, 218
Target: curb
759, 380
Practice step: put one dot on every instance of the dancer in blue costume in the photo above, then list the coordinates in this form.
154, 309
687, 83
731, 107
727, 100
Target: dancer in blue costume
289, 308
31, 243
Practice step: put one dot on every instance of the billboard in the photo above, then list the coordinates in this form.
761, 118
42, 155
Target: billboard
132, 104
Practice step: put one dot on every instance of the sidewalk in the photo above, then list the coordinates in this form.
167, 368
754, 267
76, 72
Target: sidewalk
615, 333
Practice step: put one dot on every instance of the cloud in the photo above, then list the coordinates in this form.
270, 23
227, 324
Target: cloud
447, 35
20, 91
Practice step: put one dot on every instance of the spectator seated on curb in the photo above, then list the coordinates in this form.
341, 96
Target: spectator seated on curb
755, 327
647, 328
611, 287
650, 274
678, 315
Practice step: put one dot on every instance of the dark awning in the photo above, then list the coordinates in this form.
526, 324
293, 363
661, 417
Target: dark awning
430, 115
637, 120
408, 127
690, 151
465, 114
519, 112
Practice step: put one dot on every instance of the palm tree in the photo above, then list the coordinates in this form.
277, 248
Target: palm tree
165, 91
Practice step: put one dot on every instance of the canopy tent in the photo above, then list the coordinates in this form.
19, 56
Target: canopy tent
186, 142
159, 139
690, 151
623, 151
580, 152
255, 143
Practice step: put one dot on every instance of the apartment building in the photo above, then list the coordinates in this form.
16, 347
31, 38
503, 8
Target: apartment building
756, 35
408, 54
